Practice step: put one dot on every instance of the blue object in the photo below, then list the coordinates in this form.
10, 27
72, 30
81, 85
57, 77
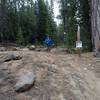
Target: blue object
48, 42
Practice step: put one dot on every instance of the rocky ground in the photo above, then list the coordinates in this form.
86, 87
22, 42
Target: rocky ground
59, 76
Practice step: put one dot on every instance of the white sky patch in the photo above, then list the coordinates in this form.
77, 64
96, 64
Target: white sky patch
56, 12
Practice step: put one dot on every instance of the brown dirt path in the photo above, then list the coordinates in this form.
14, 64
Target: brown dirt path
59, 77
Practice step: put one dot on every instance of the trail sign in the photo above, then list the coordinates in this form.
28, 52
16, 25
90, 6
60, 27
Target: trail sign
79, 44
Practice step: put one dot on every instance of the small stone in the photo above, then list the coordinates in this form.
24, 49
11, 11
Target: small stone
89, 64
85, 69
32, 47
25, 49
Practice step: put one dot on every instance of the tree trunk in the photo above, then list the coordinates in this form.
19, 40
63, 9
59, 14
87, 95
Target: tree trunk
95, 21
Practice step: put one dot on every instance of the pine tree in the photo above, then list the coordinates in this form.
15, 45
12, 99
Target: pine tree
32, 18
70, 10
20, 38
42, 19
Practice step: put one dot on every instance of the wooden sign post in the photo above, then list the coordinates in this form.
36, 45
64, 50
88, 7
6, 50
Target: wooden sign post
78, 42
78, 33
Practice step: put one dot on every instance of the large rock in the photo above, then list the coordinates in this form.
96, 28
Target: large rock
2, 49
9, 56
25, 82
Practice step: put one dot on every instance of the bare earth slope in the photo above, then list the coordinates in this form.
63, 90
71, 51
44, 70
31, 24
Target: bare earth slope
59, 76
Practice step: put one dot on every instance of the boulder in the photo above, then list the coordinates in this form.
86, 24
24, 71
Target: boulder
25, 82
2, 49
9, 56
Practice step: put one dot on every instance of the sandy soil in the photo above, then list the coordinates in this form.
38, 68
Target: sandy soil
59, 76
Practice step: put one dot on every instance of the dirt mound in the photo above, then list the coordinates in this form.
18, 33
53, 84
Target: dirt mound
58, 76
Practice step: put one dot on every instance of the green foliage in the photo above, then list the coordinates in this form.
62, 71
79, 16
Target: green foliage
26, 22
35, 19
70, 39
42, 17
68, 14
85, 25
71, 50
20, 38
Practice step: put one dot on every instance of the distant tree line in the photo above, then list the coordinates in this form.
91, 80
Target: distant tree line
30, 21
26, 21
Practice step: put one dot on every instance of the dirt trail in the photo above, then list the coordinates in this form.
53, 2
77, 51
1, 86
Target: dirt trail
59, 77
